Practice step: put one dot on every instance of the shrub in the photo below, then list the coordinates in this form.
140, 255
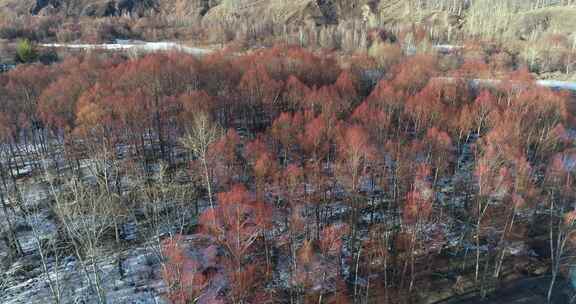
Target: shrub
25, 51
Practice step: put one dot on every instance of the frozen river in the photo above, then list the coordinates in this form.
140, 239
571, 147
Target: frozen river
133, 45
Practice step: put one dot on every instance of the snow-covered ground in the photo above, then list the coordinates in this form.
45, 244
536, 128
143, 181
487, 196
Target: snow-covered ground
558, 85
141, 282
134, 45
551, 84
25, 280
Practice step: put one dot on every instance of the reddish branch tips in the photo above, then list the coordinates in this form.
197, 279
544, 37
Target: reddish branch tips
238, 224
420, 199
181, 272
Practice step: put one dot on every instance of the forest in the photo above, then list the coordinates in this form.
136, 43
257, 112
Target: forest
286, 175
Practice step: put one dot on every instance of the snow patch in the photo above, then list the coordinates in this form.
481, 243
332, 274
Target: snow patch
120, 45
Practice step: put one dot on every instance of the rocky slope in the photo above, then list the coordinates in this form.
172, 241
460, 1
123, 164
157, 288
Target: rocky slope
440, 13
100, 8
320, 11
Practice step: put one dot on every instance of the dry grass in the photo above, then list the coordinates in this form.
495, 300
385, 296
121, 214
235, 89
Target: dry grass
553, 20
278, 10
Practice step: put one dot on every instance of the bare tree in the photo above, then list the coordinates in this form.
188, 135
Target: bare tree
105, 167
11, 240
86, 215
46, 245
202, 133
165, 205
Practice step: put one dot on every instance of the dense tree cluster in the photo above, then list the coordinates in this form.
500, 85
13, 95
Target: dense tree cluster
309, 185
